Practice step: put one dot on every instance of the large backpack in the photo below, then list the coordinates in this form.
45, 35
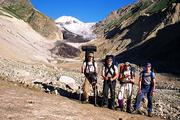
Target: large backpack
121, 72
88, 49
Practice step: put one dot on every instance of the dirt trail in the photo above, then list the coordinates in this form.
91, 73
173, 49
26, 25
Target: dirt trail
19, 103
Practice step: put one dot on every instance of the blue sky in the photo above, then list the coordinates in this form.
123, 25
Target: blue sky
84, 10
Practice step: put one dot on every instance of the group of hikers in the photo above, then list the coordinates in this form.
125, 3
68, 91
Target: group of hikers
126, 77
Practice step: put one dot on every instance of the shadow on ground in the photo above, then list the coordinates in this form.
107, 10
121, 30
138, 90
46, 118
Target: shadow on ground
49, 88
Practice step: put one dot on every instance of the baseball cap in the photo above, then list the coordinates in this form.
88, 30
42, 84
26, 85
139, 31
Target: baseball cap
127, 63
148, 64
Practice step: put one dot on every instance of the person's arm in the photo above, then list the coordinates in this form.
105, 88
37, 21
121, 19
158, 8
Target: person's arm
139, 83
133, 77
96, 67
153, 85
83, 67
116, 73
103, 74
120, 76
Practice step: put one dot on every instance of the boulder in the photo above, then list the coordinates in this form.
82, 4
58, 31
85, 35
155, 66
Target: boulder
69, 82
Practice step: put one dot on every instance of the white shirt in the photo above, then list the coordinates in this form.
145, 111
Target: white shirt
90, 67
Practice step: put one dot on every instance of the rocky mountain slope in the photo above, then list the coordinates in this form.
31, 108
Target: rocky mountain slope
23, 9
145, 31
20, 42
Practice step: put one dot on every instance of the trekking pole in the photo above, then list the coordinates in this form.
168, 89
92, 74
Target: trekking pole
80, 93
95, 94
80, 90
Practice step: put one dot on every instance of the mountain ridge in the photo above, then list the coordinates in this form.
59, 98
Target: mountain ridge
132, 26
23, 9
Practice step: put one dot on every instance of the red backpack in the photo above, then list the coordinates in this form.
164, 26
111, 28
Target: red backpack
121, 72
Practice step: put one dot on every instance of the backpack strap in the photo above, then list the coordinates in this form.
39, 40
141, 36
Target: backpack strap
85, 67
122, 69
94, 66
108, 69
152, 75
143, 74
88, 67
131, 72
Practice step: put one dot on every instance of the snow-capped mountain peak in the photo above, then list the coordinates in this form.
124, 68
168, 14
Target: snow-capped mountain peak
68, 20
76, 26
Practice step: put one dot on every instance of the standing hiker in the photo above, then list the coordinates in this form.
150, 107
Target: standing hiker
146, 86
89, 68
126, 78
109, 74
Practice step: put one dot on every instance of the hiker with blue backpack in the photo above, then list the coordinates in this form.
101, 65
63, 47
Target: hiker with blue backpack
109, 74
126, 78
146, 86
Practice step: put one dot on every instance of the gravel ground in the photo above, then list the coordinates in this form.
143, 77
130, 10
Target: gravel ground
166, 100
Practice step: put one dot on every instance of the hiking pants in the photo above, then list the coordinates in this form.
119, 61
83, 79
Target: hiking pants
125, 92
106, 86
86, 89
146, 89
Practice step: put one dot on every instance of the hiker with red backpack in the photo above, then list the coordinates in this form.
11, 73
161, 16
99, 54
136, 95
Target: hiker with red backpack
89, 68
126, 78
109, 74
146, 86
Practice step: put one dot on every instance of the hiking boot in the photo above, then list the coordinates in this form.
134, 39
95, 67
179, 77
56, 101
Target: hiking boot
112, 108
129, 111
117, 108
96, 105
85, 102
137, 112
150, 114
105, 106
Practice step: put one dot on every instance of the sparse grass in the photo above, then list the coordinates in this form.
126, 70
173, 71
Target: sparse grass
111, 23
11, 12
20, 11
116, 22
1, 13
160, 6
134, 13
145, 4
157, 7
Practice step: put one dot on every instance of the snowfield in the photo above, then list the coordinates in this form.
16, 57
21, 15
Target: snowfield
76, 26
